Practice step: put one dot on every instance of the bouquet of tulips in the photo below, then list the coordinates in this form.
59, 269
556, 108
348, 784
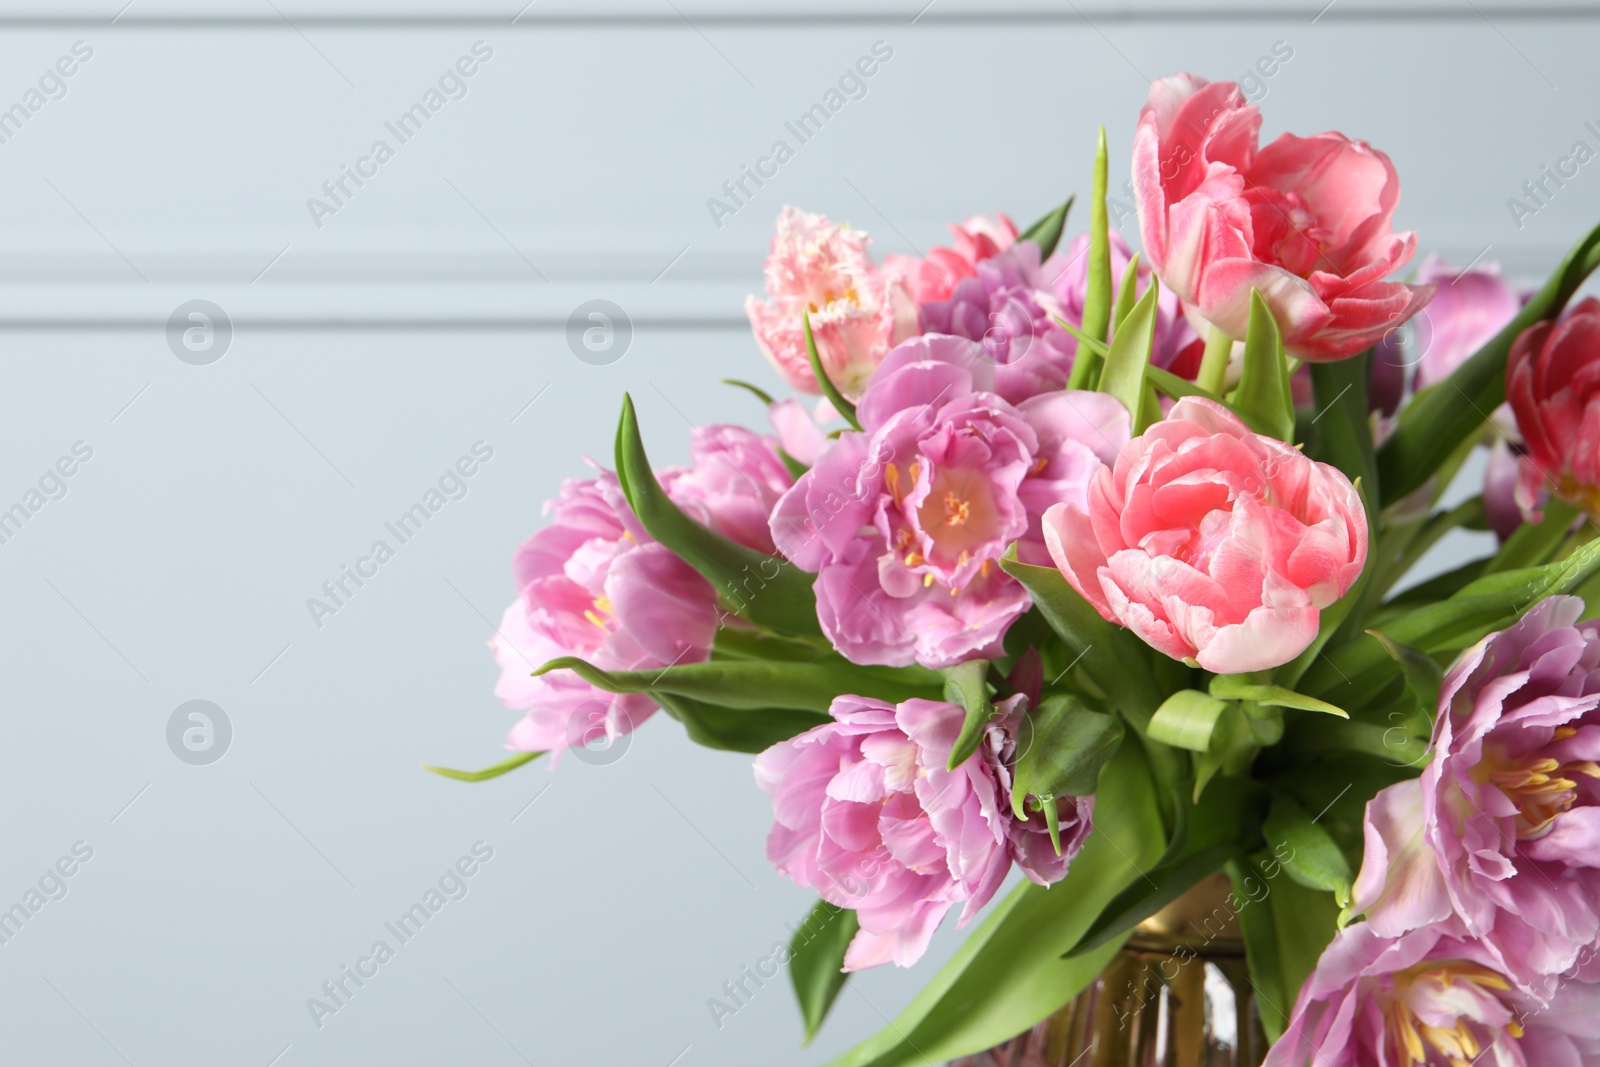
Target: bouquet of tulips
1100, 566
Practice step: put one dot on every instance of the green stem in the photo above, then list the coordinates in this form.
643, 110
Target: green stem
1214, 364
1400, 546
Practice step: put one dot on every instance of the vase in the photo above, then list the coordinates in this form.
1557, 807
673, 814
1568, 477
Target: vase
1178, 994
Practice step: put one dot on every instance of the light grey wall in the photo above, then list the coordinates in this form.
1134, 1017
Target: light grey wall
424, 316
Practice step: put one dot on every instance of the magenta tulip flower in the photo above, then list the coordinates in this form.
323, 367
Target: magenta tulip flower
1431, 998
1503, 828
905, 522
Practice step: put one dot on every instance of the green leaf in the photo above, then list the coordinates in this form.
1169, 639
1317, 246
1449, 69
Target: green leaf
1535, 542
1213, 372
1099, 348
1440, 586
1046, 233
1492, 602
1403, 542
1233, 748
767, 591
1394, 744
1424, 678
1172, 385
1224, 825
966, 684
1126, 293
1062, 746
1186, 719
1307, 851
1097, 296
792, 465
1123, 373
1236, 687
836, 398
1114, 658
816, 961
733, 642
753, 685
1286, 927
1488, 604
736, 729
1341, 433
1332, 622
760, 393
1009, 973
1440, 418
488, 772
1264, 385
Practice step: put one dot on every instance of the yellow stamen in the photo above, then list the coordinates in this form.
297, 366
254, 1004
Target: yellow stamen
1539, 788
1458, 1044
891, 477
597, 620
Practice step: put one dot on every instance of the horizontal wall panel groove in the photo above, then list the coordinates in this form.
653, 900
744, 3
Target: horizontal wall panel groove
294, 20
615, 156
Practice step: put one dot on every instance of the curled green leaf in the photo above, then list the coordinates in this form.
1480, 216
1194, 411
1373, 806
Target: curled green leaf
1061, 747
768, 591
759, 393
503, 767
1187, 719
966, 685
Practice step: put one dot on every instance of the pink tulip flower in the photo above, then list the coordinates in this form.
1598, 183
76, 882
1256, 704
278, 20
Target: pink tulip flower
905, 522
1553, 385
857, 311
1214, 544
595, 585
868, 815
935, 278
1502, 831
1305, 220
1431, 997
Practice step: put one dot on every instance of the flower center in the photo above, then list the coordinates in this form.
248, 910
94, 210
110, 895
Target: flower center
602, 607
1574, 492
1542, 788
1427, 994
958, 516
829, 296
1286, 232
